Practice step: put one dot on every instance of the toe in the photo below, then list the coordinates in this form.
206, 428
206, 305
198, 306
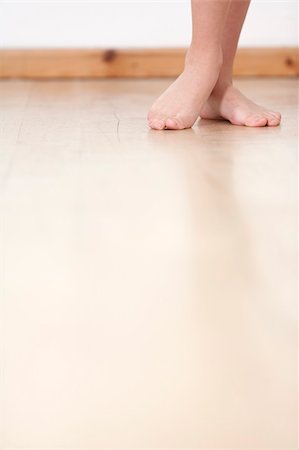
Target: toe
273, 118
157, 124
173, 124
276, 119
256, 120
273, 121
275, 114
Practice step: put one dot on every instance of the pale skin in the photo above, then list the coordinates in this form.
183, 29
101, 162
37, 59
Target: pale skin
205, 88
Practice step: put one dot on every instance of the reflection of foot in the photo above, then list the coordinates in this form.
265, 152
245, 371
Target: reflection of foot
179, 106
230, 104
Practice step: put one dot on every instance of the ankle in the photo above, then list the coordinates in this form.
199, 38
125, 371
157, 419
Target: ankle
197, 56
222, 85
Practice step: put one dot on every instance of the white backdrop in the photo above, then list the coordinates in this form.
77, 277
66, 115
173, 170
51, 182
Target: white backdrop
139, 23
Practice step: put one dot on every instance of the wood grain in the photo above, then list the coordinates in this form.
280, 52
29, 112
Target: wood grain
137, 63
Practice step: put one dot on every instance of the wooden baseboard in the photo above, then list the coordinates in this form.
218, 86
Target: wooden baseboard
96, 63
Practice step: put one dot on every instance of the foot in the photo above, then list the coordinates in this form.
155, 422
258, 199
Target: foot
179, 106
229, 103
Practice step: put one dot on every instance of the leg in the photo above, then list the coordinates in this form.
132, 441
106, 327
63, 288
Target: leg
179, 106
226, 101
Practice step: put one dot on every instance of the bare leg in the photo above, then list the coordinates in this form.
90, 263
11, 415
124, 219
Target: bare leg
179, 106
226, 101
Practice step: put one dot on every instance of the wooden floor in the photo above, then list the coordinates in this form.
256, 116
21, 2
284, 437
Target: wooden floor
148, 295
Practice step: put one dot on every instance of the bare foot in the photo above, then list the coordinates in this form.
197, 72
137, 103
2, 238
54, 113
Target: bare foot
179, 106
229, 103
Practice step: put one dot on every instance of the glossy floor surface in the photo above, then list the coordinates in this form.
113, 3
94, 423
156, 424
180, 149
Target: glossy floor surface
148, 278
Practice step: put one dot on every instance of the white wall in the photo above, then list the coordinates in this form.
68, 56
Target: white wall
139, 23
